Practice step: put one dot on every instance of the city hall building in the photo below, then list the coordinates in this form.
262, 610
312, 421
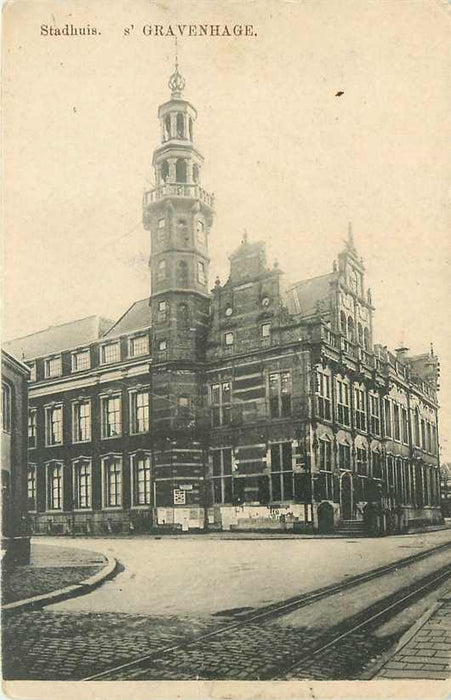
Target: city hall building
249, 406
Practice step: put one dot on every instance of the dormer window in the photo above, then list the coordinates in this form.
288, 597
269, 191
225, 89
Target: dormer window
53, 367
110, 353
139, 345
32, 368
81, 360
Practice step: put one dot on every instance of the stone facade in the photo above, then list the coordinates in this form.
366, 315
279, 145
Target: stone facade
248, 407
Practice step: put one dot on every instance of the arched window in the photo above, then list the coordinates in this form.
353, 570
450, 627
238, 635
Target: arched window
182, 232
350, 329
180, 126
164, 170
195, 173
190, 127
167, 127
366, 339
343, 323
161, 270
360, 333
180, 170
183, 273
182, 316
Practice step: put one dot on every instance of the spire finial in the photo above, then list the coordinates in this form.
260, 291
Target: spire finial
176, 81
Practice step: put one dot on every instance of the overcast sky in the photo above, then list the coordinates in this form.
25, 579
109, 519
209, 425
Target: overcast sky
286, 158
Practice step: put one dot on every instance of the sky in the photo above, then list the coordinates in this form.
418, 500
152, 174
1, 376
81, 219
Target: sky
288, 160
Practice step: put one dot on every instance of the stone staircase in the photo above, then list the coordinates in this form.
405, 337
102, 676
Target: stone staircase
351, 528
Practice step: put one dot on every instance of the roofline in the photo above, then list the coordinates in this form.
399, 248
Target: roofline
124, 314
58, 325
24, 369
309, 279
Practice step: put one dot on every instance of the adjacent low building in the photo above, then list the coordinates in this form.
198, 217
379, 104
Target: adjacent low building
251, 406
15, 531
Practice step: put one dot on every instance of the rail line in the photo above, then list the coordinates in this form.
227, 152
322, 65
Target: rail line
295, 603
370, 616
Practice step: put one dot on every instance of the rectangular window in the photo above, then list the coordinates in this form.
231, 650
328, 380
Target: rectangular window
375, 415
31, 487
139, 345
344, 456
434, 439
280, 394
281, 472
112, 476
325, 456
53, 367
416, 426
396, 422
377, 465
161, 236
343, 402
222, 480
141, 480
111, 410
228, 338
81, 360
139, 411
32, 367
200, 232
110, 353
81, 420
266, 330
323, 396
6, 407
404, 426
54, 425
423, 434
162, 310
221, 404
32, 427
54, 486
201, 272
82, 484
162, 270
362, 461
360, 408
387, 412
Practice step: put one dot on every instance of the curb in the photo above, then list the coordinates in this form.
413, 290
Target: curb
78, 589
371, 672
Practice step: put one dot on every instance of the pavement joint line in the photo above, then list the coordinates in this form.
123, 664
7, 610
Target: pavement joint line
65, 593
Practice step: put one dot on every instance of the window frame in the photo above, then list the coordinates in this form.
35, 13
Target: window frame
278, 394
76, 421
32, 469
103, 346
105, 463
343, 409
104, 399
137, 337
135, 482
77, 464
221, 408
49, 487
133, 394
47, 364
75, 354
48, 410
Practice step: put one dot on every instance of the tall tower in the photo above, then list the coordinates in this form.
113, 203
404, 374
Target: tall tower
178, 212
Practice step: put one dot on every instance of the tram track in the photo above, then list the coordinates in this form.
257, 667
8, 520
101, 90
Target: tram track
371, 615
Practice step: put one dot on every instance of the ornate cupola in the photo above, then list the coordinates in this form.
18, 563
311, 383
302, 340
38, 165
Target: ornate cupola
178, 212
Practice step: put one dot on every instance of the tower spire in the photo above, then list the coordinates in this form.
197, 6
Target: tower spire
176, 81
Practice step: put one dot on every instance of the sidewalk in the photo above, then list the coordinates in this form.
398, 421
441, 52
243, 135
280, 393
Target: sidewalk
54, 572
425, 650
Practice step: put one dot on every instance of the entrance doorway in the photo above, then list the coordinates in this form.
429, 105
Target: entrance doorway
346, 497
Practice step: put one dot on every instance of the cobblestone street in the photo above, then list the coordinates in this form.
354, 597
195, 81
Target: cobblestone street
84, 636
